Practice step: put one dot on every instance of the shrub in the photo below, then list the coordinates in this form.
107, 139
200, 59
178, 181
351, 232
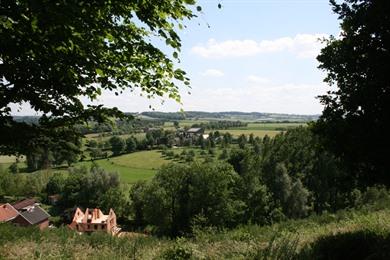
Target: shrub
14, 168
177, 252
354, 245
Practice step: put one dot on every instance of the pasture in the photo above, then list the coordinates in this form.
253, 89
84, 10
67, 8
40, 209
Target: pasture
6, 159
144, 165
132, 167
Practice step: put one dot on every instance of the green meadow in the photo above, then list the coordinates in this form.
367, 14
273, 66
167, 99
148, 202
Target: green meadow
132, 167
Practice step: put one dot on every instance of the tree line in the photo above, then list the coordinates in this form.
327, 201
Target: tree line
212, 125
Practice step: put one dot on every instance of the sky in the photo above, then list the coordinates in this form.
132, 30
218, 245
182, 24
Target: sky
250, 55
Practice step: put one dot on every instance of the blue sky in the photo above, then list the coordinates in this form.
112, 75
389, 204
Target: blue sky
255, 55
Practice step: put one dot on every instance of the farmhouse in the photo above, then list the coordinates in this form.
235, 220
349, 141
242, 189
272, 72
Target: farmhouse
32, 215
7, 213
24, 204
94, 220
24, 213
195, 132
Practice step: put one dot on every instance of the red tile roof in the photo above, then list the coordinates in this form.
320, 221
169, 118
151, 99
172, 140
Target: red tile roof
23, 203
7, 212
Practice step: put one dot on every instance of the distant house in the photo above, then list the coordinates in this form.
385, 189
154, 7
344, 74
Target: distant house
26, 213
24, 204
151, 129
7, 213
94, 220
194, 132
32, 215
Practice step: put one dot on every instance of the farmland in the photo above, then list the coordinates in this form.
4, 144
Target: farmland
255, 132
143, 165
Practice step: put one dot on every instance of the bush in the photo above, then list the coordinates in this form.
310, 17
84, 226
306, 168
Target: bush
14, 168
177, 252
355, 245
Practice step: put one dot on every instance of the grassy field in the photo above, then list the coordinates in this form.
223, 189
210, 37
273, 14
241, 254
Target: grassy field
144, 165
259, 129
5, 159
270, 126
132, 167
141, 160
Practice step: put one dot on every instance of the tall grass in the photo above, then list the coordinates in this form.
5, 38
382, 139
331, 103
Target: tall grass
330, 236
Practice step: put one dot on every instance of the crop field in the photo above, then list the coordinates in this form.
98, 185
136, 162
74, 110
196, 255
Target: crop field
247, 132
259, 129
271, 126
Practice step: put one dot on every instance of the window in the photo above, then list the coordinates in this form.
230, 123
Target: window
96, 227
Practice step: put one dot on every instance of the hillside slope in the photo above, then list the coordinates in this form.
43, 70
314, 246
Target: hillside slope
345, 235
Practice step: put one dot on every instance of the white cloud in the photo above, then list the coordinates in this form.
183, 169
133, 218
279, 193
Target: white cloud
302, 45
291, 98
260, 96
251, 96
257, 80
213, 73
23, 109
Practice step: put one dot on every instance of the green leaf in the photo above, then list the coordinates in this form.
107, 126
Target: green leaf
99, 72
199, 8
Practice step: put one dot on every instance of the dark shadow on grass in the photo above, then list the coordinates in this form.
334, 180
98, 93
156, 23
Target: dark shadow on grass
355, 245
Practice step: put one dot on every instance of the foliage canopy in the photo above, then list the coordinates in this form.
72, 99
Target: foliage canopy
55, 53
355, 121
